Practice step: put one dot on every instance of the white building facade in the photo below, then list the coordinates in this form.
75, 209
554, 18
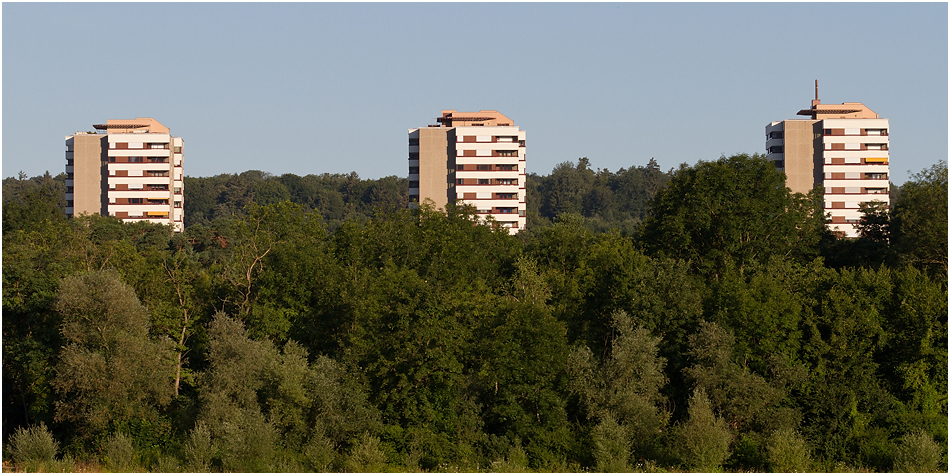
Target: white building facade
141, 177
844, 148
476, 158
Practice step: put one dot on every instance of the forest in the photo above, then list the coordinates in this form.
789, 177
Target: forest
699, 319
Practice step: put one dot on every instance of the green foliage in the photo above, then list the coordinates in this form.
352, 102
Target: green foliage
787, 452
368, 336
607, 200
744, 399
365, 456
199, 449
611, 446
703, 439
919, 219
623, 393
734, 210
118, 453
919, 453
110, 370
32, 444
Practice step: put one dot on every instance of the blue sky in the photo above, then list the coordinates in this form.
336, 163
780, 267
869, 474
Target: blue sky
332, 88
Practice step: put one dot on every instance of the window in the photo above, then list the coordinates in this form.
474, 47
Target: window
135, 201
178, 204
178, 149
413, 170
507, 168
506, 196
413, 184
776, 149
177, 190
483, 167
460, 167
506, 153
507, 181
483, 181
414, 141
776, 135
459, 181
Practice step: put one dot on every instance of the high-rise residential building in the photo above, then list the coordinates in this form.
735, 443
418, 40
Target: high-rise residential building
133, 171
477, 158
844, 148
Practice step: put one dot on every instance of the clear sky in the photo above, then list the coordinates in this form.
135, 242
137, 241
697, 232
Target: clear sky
332, 88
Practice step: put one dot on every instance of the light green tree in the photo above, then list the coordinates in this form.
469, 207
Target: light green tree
787, 451
110, 371
622, 393
703, 439
918, 452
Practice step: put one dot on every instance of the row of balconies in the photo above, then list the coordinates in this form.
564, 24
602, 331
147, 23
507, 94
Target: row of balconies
855, 190
131, 159
855, 161
487, 181
855, 176
855, 146
142, 146
501, 167
854, 132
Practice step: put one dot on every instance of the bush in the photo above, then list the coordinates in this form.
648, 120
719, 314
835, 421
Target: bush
366, 456
118, 452
611, 446
31, 445
787, 451
918, 453
199, 450
166, 464
703, 440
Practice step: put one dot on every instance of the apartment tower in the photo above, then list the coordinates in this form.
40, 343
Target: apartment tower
132, 170
477, 158
844, 148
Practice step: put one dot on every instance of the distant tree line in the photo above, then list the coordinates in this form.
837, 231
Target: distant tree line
700, 319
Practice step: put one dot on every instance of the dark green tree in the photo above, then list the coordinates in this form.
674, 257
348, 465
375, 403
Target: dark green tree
919, 219
734, 210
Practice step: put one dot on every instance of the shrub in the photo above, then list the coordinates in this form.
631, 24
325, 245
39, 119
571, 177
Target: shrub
199, 449
611, 446
703, 440
118, 452
366, 456
31, 445
918, 453
787, 451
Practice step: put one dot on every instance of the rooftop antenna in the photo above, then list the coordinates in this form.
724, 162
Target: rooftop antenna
816, 101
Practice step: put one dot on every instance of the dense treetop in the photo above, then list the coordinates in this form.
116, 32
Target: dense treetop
699, 319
